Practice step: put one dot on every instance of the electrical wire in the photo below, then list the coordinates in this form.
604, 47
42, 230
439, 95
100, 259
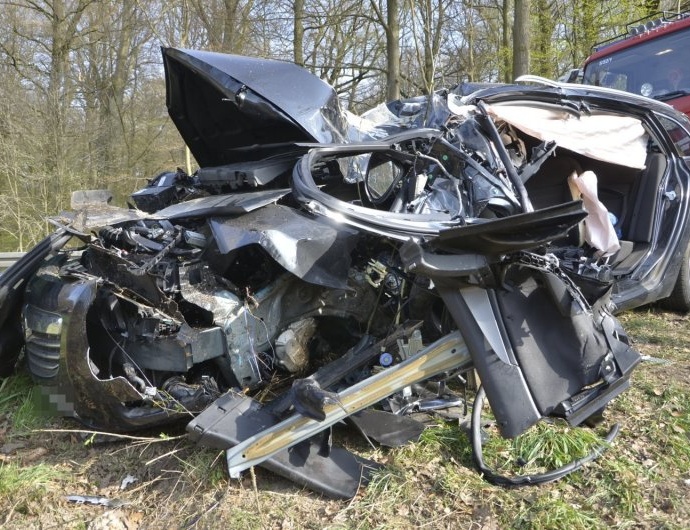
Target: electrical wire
525, 480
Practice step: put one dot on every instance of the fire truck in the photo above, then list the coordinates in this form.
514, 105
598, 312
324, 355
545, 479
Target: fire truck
652, 59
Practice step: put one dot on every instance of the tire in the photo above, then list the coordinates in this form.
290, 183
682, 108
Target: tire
679, 299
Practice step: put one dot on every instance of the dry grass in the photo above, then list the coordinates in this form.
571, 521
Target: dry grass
643, 481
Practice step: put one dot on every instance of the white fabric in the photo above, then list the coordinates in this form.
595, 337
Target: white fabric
599, 232
603, 136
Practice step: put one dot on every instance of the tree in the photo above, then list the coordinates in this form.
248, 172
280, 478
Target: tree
109, 67
44, 36
507, 70
544, 60
298, 32
521, 38
227, 24
392, 28
432, 23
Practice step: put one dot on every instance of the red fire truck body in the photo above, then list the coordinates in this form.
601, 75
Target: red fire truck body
651, 59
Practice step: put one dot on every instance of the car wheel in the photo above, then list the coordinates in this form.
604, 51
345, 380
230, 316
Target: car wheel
679, 300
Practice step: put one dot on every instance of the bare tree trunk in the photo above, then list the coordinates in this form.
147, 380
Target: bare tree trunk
433, 15
112, 103
543, 36
64, 18
521, 38
235, 25
63, 24
393, 50
507, 74
471, 66
298, 32
226, 23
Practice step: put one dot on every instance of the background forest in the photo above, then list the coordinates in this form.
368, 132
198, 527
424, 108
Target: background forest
82, 95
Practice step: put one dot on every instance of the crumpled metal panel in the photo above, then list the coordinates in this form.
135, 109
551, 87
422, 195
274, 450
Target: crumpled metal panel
235, 417
232, 204
230, 108
93, 217
310, 248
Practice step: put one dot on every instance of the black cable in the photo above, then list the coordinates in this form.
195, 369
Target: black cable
525, 480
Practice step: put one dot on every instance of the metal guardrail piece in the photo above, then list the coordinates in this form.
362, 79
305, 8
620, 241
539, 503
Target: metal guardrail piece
7, 259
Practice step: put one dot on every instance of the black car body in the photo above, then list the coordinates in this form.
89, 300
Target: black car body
354, 257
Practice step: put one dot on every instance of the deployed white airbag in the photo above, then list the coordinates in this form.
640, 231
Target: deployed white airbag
599, 232
603, 136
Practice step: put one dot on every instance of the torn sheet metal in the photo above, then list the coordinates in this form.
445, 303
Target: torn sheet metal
388, 429
312, 249
235, 417
230, 108
233, 204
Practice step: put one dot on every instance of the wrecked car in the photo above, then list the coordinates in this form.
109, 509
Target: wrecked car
321, 267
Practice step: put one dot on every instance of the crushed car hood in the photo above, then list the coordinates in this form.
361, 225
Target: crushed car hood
230, 108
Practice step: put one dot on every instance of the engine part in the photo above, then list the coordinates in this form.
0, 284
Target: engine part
291, 346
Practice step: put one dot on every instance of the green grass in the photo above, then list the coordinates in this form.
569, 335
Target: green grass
545, 446
204, 464
16, 479
549, 512
24, 488
13, 390
22, 402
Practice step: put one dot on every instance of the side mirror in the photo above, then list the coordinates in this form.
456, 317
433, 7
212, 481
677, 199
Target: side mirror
382, 177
